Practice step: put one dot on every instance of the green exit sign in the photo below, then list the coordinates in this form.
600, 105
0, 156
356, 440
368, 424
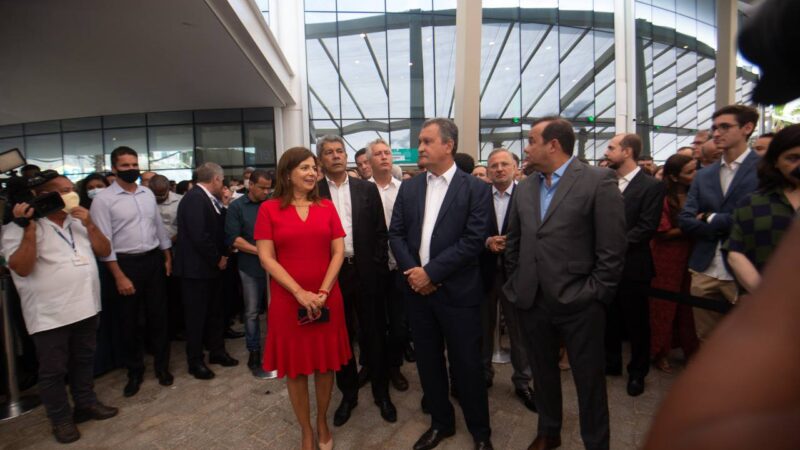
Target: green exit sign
404, 155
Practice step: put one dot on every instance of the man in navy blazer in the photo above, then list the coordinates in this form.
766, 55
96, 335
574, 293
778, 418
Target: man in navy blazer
706, 216
439, 226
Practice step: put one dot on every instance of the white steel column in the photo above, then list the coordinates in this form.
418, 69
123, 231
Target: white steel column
625, 66
467, 104
291, 122
727, 28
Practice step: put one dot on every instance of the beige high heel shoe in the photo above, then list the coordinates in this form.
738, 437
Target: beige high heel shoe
327, 445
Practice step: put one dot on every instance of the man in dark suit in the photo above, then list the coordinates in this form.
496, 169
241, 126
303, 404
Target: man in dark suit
439, 226
713, 196
365, 266
629, 311
501, 171
200, 258
564, 255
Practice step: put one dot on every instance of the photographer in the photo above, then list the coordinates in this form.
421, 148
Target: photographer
52, 265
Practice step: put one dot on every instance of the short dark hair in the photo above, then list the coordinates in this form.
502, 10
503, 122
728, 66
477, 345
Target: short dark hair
158, 182
464, 162
448, 131
744, 115
119, 151
560, 129
259, 174
769, 177
361, 151
633, 142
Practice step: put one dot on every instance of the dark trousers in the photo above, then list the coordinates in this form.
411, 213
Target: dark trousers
148, 275
629, 313
545, 326
370, 315
434, 323
175, 306
521, 377
396, 319
66, 351
205, 318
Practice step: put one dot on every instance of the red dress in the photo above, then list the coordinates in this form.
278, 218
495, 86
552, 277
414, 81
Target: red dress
304, 250
669, 319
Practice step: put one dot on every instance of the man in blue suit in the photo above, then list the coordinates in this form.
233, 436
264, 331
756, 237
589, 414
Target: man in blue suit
439, 224
714, 194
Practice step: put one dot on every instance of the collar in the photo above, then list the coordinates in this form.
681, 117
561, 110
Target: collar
509, 190
737, 162
629, 177
211, 196
393, 182
332, 183
447, 175
117, 189
69, 220
558, 173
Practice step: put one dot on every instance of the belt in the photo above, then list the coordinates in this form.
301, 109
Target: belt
350, 260
138, 255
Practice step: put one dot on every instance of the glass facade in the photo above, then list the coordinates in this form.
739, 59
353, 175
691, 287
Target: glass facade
171, 143
378, 69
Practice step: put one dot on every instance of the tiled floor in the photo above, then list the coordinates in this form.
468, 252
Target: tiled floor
235, 410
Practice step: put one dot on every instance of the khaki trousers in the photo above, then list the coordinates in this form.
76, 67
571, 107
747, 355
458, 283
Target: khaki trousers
709, 287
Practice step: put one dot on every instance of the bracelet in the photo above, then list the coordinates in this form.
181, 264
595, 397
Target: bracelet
323, 291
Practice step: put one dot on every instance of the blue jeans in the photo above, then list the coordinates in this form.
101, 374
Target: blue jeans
254, 291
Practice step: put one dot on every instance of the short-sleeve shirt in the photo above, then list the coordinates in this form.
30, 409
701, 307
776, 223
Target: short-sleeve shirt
57, 292
759, 224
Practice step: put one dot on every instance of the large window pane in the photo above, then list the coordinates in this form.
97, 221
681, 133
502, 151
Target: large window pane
171, 147
221, 144
83, 152
44, 151
135, 138
259, 144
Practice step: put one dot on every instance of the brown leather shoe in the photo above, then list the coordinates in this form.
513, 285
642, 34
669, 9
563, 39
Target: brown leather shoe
545, 442
66, 432
98, 411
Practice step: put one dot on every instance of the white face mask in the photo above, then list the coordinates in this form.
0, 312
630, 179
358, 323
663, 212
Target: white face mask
71, 200
92, 193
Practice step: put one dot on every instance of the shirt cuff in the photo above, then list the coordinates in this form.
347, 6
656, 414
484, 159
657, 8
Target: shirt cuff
710, 217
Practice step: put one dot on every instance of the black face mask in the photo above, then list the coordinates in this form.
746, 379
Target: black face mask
128, 176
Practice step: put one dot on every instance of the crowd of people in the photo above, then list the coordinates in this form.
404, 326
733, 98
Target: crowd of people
372, 266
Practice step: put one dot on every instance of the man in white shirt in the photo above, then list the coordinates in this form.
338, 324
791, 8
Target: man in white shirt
52, 262
707, 214
379, 155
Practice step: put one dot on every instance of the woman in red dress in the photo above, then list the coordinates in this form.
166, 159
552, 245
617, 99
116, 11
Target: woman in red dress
671, 249
300, 244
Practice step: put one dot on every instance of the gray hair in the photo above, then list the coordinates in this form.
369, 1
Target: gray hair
448, 131
499, 150
397, 172
328, 138
207, 171
374, 143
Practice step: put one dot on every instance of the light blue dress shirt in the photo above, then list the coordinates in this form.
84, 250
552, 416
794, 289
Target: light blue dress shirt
546, 193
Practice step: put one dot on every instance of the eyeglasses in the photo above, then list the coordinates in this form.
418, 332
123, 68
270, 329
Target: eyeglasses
723, 127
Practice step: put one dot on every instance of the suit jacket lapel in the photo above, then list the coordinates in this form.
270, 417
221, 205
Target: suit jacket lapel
423, 190
508, 210
537, 203
716, 184
746, 166
452, 191
355, 203
564, 185
324, 190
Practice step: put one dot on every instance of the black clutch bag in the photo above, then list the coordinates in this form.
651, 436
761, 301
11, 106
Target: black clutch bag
304, 319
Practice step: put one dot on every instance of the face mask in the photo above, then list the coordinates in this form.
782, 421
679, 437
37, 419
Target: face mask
128, 176
71, 200
92, 193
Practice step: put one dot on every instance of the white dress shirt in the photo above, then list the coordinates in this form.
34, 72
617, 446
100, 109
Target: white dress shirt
130, 220
169, 213
344, 207
58, 291
434, 197
214, 201
388, 196
623, 182
501, 202
726, 173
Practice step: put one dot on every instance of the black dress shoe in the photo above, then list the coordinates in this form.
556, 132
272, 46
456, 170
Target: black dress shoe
231, 334
363, 376
98, 411
484, 445
424, 405
201, 371
635, 386
388, 411
254, 360
224, 360
134, 381
432, 438
409, 354
66, 432
164, 378
342, 414
526, 395
545, 443
398, 380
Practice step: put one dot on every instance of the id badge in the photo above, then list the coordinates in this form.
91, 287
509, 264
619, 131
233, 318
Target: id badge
79, 260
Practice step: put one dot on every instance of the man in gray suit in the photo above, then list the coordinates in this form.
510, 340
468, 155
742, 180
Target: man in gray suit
564, 256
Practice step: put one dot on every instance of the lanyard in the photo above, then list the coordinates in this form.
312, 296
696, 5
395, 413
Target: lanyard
71, 240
